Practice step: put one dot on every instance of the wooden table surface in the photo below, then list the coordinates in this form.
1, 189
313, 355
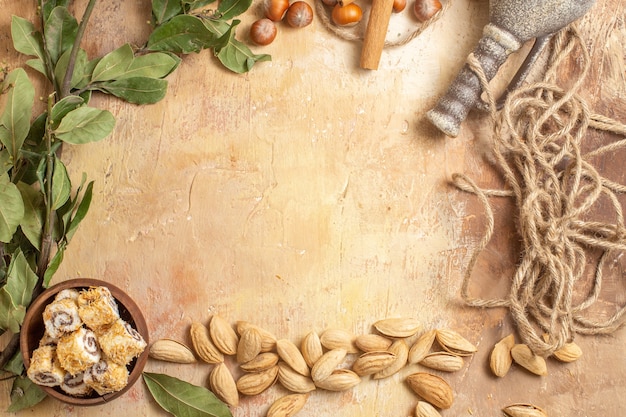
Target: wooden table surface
310, 194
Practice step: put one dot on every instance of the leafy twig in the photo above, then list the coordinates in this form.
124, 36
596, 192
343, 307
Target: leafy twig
67, 80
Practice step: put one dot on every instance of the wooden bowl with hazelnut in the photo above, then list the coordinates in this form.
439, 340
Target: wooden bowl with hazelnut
84, 341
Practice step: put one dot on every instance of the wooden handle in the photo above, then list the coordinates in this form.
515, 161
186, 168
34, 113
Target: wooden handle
376, 33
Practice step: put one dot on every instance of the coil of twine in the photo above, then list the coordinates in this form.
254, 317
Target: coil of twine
356, 33
536, 145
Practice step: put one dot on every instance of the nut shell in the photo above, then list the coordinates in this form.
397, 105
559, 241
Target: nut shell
299, 14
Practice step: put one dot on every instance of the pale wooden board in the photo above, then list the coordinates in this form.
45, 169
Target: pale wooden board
310, 194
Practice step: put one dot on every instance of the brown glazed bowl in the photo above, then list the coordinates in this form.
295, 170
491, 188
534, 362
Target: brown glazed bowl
33, 330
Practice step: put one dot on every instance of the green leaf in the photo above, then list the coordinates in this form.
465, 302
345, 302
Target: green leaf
182, 34
113, 65
5, 161
25, 394
85, 124
49, 5
81, 211
53, 265
17, 111
15, 365
38, 65
59, 32
16, 294
33, 220
232, 8
190, 5
79, 76
164, 10
183, 399
152, 65
35, 136
236, 56
63, 107
25, 38
61, 185
11, 209
137, 90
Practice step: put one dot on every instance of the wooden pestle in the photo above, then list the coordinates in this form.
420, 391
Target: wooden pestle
376, 33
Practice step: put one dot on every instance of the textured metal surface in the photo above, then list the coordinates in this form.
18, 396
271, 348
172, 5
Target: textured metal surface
512, 23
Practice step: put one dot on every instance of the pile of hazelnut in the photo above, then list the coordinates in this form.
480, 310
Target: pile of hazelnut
344, 13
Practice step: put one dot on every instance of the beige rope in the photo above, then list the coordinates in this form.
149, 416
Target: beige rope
355, 33
537, 139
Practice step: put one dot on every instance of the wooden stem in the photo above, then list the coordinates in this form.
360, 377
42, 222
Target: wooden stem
375, 33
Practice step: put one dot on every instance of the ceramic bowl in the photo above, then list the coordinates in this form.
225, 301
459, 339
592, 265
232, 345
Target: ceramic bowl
33, 330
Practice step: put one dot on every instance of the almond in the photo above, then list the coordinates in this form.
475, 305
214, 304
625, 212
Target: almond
257, 382
372, 342
269, 341
292, 356
223, 385
500, 360
261, 362
523, 410
250, 345
425, 409
311, 348
171, 351
432, 389
338, 339
453, 342
223, 335
523, 356
293, 381
398, 327
422, 346
203, 345
371, 362
443, 361
288, 405
569, 352
328, 363
339, 380
401, 350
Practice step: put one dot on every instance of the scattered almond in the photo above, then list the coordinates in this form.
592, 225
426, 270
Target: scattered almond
523, 410
443, 361
311, 348
261, 362
257, 382
290, 353
338, 339
523, 356
432, 389
171, 351
401, 351
500, 360
223, 385
288, 405
569, 352
453, 342
203, 345
398, 327
223, 335
422, 346
371, 362
269, 340
372, 342
250, 345
294, 381
328, 363
425, 409
339, 380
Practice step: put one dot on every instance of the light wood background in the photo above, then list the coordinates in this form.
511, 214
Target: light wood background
310, 194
